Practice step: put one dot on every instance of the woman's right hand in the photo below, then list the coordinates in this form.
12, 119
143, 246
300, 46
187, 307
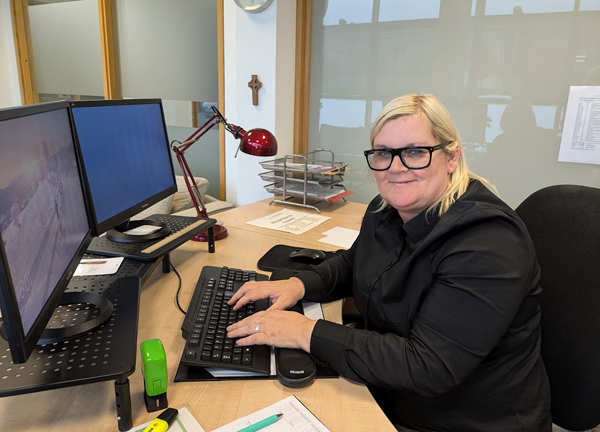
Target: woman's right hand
283, 293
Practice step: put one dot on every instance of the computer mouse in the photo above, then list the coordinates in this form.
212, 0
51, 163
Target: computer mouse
308, 256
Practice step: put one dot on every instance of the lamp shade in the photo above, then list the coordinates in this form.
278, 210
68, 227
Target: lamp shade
259, 142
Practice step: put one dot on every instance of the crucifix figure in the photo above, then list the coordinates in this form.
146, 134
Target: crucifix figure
254, 84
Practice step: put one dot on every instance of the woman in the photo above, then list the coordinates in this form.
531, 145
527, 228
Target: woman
446, 278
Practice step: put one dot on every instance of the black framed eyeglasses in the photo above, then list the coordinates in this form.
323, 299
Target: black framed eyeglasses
418, 157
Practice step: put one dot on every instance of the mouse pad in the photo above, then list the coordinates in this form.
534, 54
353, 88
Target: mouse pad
278, 257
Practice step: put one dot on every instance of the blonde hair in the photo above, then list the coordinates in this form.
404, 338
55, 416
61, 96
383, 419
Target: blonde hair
444, 130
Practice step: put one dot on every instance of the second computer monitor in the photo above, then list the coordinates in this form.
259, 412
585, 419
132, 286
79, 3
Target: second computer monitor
126, 158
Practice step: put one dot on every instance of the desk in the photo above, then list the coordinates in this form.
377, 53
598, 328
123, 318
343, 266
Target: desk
340, 404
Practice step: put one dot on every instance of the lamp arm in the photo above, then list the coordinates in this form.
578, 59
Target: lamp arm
181, 148
199, 133
191, 184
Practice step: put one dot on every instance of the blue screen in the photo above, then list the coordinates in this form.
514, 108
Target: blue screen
125, 153
43, 218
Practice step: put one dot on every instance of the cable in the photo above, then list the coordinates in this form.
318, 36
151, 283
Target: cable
178, 289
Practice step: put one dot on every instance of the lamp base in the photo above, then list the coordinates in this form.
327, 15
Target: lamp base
220, 233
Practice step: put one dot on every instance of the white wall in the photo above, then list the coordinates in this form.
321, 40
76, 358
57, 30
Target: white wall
10, 94
260, 44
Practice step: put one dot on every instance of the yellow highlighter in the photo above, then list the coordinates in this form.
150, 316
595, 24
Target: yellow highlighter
163, 421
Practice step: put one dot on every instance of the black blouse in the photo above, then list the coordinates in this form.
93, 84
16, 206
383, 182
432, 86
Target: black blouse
452, 338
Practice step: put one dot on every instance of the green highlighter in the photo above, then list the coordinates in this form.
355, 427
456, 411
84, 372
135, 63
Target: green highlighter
154, 369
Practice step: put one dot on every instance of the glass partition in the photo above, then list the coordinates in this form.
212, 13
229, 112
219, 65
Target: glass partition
65, 44
502, 68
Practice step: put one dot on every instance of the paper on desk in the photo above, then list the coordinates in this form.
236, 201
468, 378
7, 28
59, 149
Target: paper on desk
289, 221
98, 266
338, 236
296, 418
185, 422
312, 310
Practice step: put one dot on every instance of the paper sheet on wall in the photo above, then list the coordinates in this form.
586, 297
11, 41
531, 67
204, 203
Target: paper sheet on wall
581, 132
296, 418
289, 221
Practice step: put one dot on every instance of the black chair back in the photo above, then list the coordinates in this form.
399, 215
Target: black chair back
564, 223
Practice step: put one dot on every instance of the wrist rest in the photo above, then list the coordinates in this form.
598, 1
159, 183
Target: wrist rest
295, 367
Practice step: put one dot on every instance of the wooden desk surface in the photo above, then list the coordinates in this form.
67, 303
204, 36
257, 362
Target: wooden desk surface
345, 215
340, 404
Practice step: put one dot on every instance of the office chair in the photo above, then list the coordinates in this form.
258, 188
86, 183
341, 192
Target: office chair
564, 223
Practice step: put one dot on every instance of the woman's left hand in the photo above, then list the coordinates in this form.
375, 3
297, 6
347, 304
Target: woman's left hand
278, 328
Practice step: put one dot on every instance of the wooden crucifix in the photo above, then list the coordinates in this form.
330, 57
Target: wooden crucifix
254, 84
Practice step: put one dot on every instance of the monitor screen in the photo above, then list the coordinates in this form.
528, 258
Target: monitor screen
44, 227
126, 157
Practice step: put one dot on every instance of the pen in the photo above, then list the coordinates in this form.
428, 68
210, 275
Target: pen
261, 424
163, 421
92, 262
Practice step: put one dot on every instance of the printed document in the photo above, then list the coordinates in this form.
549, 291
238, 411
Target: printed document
289, 221
296, 418
581, 133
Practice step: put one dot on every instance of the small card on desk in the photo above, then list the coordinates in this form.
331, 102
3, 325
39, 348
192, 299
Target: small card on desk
98, 266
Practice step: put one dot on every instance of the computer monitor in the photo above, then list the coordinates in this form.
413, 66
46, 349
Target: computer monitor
126, 163
44, 225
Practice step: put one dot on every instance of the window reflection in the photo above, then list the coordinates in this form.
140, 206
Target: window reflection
340, 12
345, 113
394, 10
508, 7
589, 5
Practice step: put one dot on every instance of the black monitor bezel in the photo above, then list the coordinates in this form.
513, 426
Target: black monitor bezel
21, 344
99, 228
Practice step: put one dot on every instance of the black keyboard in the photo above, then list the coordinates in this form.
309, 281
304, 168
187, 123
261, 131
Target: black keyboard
208, 315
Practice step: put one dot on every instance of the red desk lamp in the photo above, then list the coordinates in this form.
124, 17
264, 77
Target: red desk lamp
255, 142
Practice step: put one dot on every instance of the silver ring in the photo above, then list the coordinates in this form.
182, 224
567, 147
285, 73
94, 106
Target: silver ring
256, 328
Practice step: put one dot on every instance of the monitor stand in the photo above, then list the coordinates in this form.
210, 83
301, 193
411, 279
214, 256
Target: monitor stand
183, 228
72, 309
71, 317
106, 352
118, 233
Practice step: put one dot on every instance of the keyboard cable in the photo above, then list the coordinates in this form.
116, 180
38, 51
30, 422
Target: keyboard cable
178, 289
